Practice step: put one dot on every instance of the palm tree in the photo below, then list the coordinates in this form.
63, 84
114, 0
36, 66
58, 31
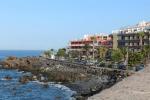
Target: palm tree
124, 52
146, 52
61, 53
135, 58
86, 48
73, 54
93, 38
147, 47
141, 34
47, 53
117, 55
102, 52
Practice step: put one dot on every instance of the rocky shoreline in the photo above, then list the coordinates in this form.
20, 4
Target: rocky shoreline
135, 87
86, 81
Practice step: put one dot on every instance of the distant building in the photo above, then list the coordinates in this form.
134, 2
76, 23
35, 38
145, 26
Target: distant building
124, 37
128, 37
99, 40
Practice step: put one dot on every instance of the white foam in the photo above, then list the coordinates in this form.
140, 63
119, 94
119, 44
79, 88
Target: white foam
62, 87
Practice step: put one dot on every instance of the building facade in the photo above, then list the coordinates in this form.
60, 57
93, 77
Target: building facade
129, 36
97, 41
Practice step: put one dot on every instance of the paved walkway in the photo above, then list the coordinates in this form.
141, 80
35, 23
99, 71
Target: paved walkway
135, 87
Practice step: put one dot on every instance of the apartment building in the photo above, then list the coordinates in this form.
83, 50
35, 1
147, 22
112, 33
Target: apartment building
129, 36
99, 40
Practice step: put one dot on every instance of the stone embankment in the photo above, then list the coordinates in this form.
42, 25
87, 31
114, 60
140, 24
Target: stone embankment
85, 80
135, 87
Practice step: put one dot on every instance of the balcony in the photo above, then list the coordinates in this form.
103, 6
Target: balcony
126, 44
76, 44
127, 38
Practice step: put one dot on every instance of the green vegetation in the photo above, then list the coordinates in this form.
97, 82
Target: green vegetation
117, 55
48, 53
135, 58
141, 35
73, 54
61, 53
87, 48
106, 56
102, 51
146, 53
124, 52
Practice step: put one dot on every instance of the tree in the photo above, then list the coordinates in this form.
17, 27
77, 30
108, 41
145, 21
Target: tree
124, 52
47, 53
102, 52
108, 53
87, 48
117, 55
147, 47
141, 34
93, 38
146, 52
61, 52
135, 58
73, 54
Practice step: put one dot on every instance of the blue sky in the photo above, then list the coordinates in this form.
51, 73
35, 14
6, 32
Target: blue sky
44, 24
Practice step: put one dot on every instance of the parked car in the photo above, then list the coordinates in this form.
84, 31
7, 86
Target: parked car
139, 67
89, 63
121, 66
115, 65
82, 62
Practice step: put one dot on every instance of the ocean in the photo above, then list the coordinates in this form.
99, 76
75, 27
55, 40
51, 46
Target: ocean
19, 53
13, 90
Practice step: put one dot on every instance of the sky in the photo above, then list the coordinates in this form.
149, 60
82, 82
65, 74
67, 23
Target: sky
46, 24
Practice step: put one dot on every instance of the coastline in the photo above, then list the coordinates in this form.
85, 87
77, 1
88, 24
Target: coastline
85, 81
35, 90
135, 87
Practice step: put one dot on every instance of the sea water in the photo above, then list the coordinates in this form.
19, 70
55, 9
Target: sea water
19, 53
34, 90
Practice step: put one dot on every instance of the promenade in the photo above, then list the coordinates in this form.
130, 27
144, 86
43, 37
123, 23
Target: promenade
135, 87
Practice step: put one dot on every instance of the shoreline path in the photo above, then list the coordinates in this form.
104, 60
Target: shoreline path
135, 87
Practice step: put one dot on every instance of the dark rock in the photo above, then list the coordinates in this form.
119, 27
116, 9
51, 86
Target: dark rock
45, 85
81, 98
85, 80
25, 79
8, 77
